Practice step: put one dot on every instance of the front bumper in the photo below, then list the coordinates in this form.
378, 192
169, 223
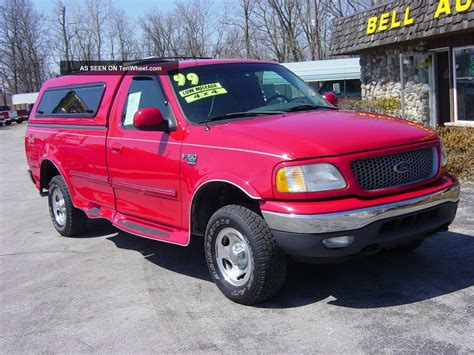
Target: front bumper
374, 227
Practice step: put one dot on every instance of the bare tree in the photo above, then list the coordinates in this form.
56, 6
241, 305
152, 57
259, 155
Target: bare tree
22, 54
189, 29
309, 18
61, 35
194, 17
98, 12
122, 34
161, 34
284, 30
247, 9
288, 24
341, 8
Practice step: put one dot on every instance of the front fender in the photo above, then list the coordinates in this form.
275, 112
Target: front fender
238, 182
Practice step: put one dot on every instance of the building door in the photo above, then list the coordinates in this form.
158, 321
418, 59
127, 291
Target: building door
464, 84
418, 89
442, 86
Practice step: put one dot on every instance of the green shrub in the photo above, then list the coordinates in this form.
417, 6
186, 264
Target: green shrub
386, 105
459, 142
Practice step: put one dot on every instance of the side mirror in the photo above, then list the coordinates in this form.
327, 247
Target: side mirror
148, 118
331, 98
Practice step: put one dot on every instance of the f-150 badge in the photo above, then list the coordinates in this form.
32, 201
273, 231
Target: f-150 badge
190, 158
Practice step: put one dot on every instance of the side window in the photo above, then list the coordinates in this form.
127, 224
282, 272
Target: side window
71, 101
144, 92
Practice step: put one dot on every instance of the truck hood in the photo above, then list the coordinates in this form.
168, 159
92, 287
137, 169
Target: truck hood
323, 133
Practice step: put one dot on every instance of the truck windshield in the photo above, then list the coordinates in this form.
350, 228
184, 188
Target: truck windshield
221, 90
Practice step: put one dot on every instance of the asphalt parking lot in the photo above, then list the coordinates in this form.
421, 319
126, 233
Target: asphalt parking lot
111, 292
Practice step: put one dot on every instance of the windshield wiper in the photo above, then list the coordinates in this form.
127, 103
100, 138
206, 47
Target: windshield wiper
308, 107
240, 114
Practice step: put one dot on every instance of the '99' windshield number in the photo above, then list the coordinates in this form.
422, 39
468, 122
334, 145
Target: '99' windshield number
180, 79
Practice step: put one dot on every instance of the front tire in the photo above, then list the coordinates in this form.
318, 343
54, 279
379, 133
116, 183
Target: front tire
242, 255
67, 219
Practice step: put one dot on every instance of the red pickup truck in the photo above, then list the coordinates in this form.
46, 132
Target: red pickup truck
243, 153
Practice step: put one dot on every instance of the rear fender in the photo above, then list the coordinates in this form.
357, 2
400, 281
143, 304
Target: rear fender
62, 172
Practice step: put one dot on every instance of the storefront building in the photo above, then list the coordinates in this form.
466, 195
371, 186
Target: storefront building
420, 52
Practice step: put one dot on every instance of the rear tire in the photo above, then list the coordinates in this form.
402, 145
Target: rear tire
406, 248
8, 123
67, 219
19, 121
242, 255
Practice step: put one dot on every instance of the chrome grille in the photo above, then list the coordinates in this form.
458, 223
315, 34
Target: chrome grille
394, 170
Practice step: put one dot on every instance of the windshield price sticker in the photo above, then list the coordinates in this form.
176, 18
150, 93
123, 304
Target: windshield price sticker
181, 78
203, 94
202, 91
199, 88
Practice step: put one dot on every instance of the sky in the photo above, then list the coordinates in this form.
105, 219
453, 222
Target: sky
134, 8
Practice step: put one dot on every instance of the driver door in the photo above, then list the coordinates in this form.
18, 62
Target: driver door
144, 165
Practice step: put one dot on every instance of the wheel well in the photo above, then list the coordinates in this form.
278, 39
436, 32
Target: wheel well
212, 196
47, 172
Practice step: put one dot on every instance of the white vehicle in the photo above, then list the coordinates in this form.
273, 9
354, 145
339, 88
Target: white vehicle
7, 116
23, 103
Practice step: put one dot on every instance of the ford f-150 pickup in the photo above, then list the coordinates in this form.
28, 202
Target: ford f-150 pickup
242, 153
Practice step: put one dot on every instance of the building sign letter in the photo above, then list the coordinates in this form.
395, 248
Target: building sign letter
460, 7
408, 20
395, 23
372, 25
444, 8
383, 25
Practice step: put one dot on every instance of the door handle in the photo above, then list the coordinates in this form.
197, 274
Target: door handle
116, 147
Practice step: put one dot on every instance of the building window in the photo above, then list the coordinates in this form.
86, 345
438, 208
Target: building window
464, 83
342, 88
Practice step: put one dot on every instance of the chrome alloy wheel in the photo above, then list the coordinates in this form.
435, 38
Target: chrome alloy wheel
59, 207
233, 257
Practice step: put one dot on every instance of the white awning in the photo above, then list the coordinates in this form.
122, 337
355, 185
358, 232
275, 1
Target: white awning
326, 70
27, 98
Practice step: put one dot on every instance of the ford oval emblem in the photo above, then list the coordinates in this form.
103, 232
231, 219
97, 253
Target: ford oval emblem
401, 167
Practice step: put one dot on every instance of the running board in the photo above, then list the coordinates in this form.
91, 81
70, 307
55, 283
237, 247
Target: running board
150, 230
93, 212
142, 229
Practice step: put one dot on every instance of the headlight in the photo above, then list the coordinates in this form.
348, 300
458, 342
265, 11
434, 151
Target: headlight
444, 156
309, 178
